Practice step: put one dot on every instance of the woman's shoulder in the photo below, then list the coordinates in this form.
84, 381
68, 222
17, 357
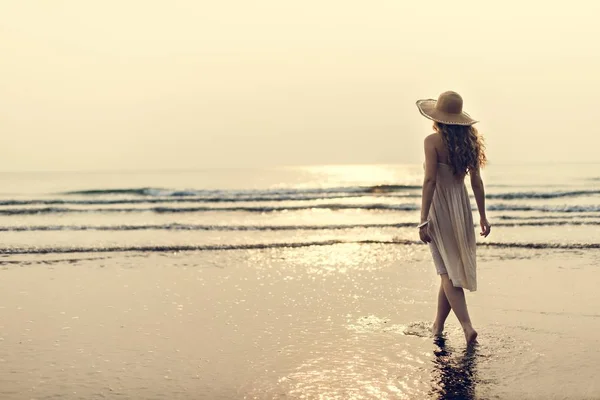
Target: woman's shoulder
434, 139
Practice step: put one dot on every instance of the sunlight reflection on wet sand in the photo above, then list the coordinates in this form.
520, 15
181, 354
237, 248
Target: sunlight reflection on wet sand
266, 324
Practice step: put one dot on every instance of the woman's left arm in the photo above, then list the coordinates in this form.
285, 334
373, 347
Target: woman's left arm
431, 165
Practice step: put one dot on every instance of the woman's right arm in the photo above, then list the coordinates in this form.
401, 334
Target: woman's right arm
479, 192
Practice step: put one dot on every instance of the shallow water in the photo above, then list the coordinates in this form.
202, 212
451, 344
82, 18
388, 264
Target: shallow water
532, 206
348, 321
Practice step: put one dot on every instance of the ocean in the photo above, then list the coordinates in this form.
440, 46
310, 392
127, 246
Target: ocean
297, 283
541, 206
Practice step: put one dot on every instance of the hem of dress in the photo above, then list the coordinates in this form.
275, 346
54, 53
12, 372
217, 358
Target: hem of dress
460, 285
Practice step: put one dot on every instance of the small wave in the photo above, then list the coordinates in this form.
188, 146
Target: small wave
147, 191
51, 261
545, 217
156, 196
260, 246
34, 211
185, 227
166, 210
191, 198
557, 208
550, 246
541, 195
546, 223
383, 207
99, 192
243, 228
389, 188
270, 209
291, 194
234, 193
163, 249
195, 199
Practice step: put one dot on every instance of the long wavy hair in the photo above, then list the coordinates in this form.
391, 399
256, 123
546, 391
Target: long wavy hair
466, 148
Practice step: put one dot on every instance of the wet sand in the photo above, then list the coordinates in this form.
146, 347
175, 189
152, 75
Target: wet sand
328, 322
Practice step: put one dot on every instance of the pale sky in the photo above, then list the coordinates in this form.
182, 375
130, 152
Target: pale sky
145, 84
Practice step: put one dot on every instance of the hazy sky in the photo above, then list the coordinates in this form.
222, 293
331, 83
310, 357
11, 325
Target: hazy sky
142, 84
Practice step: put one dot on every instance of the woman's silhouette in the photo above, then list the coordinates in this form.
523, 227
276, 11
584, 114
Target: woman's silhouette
452, 152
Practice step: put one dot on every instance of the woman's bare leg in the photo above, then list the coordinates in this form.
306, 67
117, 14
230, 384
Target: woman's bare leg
443, 309
456, 298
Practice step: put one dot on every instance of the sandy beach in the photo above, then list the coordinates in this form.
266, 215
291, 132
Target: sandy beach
324, 322
228, 200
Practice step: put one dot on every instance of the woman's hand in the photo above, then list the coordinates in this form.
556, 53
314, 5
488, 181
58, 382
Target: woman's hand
424, 234
486, 228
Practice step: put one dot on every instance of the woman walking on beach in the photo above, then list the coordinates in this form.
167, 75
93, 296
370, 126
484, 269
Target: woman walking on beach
454, 151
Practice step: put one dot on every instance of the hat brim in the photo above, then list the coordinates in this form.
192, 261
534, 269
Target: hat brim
427, 109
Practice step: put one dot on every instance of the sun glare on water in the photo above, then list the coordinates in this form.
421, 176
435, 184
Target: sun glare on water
361, 175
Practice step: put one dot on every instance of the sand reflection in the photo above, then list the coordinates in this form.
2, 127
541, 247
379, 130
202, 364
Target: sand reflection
454, 377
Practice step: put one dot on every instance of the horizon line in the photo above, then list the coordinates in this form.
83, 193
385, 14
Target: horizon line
289, 166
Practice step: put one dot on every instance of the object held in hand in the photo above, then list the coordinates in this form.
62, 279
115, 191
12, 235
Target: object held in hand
423, 224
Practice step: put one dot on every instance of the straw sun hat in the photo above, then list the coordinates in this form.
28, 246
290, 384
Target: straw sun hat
447, 109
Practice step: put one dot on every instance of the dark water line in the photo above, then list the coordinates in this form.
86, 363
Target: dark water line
184, 227
253, 198
545, 217
164, 249
191, 192
170, 210
547, 223
188, 200
550, 246
259, 246
245, 228
541, 195
270, 209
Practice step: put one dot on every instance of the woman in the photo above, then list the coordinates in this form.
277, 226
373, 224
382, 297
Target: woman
452, 152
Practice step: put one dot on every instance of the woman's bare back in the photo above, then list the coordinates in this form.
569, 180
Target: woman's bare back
440, 148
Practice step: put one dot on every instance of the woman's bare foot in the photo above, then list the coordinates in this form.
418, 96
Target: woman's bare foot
437, 330
470, 335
